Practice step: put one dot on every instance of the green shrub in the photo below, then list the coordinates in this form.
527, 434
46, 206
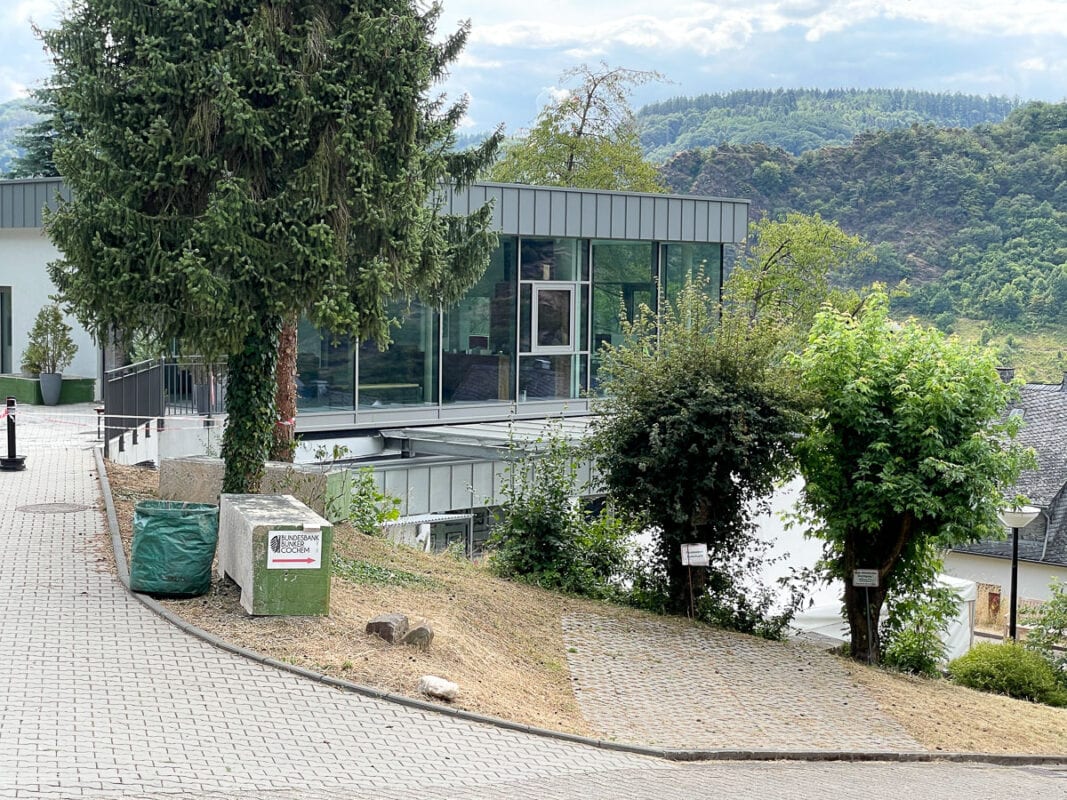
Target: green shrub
918, 612
543, 534
50, 348
1048, 630
1009, 669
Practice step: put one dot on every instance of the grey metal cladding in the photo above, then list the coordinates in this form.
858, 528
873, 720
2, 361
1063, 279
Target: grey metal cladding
688, 213
633, 213
648, 217
715, 223
573, 222
740, 225
22, 201
517, 210
727, 219
587, 220
558, 210
659, 219
542, 222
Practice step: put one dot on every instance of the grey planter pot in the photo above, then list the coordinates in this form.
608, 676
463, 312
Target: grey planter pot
51, 385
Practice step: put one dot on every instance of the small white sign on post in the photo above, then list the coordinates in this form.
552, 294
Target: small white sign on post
294, 549
695, 555
865, 578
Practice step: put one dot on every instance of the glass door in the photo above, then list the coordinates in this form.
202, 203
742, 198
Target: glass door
549, 321
553, 318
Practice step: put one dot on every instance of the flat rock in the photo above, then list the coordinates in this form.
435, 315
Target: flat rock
390, 627
420, 636
432, 686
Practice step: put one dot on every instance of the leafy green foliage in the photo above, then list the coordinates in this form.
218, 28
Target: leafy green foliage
690, 441
36, 140
1048, 630
370, 574
797, 120
542, 533
907, 447
49, 348
368, 507
779, 283
587, 138
1011, 670
362, 504
233, 164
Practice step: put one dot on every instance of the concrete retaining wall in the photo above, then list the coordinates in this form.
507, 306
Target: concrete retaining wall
198, 479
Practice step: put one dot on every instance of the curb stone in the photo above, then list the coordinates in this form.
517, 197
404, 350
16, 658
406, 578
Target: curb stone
999, 759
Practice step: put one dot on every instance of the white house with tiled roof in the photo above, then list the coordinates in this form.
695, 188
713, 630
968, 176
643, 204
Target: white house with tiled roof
1042, 543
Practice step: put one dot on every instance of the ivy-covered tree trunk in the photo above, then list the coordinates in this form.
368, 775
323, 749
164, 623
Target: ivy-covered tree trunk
285, 394
250, 407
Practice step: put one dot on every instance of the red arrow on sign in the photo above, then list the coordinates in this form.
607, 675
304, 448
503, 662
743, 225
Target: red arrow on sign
293, 560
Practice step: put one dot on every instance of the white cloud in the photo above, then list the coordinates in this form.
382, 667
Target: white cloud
711, 27
1034, 65
467, 60
42, 12
12, 85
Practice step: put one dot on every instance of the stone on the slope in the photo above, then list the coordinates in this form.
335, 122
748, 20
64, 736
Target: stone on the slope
433, 686
420, 636
390, 627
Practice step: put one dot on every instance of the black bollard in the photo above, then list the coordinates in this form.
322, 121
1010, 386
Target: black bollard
12, 463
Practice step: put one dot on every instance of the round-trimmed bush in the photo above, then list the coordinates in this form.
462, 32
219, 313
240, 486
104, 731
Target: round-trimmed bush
1008, 669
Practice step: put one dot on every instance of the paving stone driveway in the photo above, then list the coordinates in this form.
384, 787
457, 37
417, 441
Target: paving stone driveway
669, 686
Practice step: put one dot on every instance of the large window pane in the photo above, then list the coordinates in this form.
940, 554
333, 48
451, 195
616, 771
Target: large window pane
554, 318
549, 259
622, 282
684, 261
479, 335
406, 372
324, 375
550, 377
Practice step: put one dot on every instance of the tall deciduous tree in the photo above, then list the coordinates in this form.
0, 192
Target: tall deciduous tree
234, 162
587, 138
908, 446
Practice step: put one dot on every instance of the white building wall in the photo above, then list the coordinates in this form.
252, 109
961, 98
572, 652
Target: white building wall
1034, 579
24, 255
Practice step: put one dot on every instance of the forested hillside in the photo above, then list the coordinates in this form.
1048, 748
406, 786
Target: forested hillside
976, 220
797, 120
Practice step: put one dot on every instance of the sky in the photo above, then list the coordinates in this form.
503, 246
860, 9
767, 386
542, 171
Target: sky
517, 50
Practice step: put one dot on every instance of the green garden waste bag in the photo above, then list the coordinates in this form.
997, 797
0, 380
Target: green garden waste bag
173, 547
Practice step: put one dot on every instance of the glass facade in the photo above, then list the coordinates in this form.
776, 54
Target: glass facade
684, 261
528, 331
324, 370
623, 280
478, 362
405, 373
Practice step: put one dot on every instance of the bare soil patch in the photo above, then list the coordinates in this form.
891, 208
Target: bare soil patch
503, 643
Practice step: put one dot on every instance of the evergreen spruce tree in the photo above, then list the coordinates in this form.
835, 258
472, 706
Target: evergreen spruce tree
235, 162
37, 139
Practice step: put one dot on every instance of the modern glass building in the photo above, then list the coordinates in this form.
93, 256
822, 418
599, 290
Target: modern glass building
524, 341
